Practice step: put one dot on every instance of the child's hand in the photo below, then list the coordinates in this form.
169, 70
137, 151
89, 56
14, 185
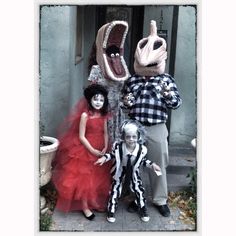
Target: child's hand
100, 161
103, 151
96, 152
156, 167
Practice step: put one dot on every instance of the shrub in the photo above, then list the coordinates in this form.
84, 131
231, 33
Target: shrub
45, 222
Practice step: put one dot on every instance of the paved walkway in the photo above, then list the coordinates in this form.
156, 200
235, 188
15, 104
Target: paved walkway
125, 221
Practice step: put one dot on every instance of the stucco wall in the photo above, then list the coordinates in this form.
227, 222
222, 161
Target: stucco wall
62, 80
183, 120
54, 66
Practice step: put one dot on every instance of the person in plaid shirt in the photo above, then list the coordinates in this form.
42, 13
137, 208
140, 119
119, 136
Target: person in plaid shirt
151, 93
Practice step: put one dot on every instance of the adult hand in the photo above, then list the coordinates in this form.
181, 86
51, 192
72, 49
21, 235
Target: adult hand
166, 91
129, 100
167, 94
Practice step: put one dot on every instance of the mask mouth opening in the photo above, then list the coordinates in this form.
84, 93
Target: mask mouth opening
150, 65
113, 45
115, 35
112, 51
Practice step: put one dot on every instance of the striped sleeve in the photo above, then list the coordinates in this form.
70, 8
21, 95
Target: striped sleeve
111, 155
145, 162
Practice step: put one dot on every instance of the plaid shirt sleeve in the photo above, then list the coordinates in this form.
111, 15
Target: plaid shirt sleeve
150, 105
174, 101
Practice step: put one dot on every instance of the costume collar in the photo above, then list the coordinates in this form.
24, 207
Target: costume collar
126, 152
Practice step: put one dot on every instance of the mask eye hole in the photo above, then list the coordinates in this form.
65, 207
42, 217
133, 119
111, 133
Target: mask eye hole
157, 45
143, 44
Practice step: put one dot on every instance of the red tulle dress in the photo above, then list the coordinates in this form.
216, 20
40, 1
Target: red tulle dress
80, 184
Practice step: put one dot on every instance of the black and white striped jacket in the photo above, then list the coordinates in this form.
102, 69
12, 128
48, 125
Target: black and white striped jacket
118, 172
117, 155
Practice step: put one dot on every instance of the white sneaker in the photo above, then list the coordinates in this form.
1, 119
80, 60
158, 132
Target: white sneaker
144, 214
145, 218
111, 217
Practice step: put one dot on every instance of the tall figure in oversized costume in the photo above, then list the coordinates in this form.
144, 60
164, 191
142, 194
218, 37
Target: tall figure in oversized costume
147, 95
109, 68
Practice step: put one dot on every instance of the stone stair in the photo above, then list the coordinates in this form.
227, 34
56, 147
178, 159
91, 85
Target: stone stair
181, 160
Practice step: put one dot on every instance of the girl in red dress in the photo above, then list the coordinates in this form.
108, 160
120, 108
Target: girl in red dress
80, 184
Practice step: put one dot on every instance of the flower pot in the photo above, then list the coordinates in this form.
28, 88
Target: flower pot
48, 148
194, 143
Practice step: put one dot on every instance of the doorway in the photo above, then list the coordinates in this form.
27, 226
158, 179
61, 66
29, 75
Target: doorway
133, 15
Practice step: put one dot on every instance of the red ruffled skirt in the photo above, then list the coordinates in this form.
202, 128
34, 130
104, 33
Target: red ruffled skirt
80, 184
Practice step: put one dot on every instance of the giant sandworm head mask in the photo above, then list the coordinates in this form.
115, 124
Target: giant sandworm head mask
150, 55
110, 50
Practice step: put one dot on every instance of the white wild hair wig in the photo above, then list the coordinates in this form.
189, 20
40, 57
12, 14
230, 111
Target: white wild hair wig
128, 123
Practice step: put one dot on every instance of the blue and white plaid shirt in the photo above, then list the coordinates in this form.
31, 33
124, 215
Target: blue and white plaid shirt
150, 105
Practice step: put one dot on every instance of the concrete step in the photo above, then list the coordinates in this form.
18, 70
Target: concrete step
181, 160
177, 182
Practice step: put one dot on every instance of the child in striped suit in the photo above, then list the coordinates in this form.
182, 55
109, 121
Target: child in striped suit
128, 155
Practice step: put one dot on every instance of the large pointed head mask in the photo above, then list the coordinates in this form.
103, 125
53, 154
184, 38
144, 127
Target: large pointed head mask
150, 55
110, 50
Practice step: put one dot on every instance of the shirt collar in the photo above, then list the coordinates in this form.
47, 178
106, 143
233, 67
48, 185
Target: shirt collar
126, 152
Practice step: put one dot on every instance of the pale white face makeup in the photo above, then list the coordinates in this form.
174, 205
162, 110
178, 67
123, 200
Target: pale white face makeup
131, 136
97, 101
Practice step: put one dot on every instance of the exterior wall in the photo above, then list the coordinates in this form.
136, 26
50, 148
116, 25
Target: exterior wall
79, 72
54, 66
183, 120
62, 80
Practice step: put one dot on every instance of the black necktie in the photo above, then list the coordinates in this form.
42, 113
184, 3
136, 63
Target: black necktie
128, 174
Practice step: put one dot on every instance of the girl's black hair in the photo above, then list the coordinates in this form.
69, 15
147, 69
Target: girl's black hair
94, 89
